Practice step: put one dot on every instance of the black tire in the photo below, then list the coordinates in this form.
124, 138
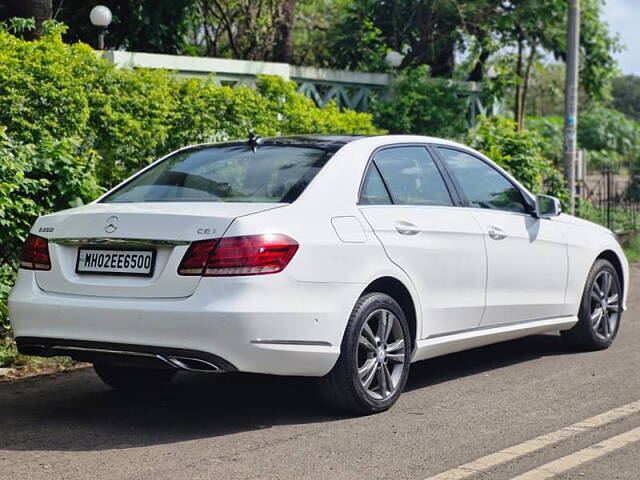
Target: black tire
342, 387
133, 379
588, 334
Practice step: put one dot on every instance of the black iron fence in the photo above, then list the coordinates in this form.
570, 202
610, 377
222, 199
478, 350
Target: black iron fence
611, 199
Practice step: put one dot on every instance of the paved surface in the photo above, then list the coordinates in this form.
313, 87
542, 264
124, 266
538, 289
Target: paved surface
456, 409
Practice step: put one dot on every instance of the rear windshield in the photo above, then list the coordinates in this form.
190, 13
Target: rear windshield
227, 173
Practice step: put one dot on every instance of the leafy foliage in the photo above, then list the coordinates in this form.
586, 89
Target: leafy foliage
49, 89
626, 95
551, 130
139, 25
355, 41
613, 139
422, 105
43, 87
603, 128
36, 179
632, 249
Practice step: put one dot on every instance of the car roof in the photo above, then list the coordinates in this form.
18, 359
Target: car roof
331, 143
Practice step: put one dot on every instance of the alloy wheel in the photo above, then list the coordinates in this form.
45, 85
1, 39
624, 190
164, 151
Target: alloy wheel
605, 305
381, 354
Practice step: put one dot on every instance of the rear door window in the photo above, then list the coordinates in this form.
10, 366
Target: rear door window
412, 177
374, 192
227, 173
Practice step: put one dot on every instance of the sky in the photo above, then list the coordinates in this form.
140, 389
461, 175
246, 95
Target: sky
623, 17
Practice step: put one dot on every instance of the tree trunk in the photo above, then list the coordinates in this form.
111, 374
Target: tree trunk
525, 86
477, 74
517, 107
283, 48
40, 10
443, 64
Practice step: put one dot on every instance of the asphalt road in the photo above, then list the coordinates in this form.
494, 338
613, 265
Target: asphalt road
456, 409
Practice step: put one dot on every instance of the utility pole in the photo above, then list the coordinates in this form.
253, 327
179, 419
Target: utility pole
571, 99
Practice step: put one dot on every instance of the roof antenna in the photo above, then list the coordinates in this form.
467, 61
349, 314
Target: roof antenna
255, 141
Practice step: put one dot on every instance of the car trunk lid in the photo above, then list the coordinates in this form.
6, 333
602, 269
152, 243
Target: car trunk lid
166, 229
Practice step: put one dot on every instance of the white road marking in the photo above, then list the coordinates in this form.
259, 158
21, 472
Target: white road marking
493, 460
580, 457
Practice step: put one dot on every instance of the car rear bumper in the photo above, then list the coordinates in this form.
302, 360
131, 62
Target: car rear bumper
244, 323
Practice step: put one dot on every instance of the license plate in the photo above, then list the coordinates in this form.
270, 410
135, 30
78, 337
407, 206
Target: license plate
116, 262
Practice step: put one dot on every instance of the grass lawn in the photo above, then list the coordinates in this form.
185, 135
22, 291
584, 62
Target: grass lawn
632, 250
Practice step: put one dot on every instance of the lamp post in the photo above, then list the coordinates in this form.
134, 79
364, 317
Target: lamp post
100, 17
571, 100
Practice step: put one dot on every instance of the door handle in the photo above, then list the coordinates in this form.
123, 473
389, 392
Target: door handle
406, 228
497, 233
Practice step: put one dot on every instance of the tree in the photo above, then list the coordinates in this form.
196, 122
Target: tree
283, 47
156, 26
39, 10
355, 42
533, 29
243, 29
626, 95
426, 30
431, 32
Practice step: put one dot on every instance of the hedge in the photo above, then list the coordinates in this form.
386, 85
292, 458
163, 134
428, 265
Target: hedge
49, 89
423, 105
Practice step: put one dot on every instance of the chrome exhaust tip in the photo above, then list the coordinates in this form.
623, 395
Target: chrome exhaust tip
190, 364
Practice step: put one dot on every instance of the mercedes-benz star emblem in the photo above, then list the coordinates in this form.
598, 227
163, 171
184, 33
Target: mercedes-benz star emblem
111, 224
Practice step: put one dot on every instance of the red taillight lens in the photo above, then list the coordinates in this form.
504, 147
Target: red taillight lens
195, 259
248, 255
35, 254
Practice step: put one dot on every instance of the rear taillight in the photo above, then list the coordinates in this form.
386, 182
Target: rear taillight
35, 254
247, 255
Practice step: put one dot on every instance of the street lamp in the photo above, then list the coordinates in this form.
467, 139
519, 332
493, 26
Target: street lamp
393, 59
100, 17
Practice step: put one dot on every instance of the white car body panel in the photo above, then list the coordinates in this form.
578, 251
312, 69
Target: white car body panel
520, 285
292, 322
449, 242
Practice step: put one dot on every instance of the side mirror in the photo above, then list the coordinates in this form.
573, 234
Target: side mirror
547, 206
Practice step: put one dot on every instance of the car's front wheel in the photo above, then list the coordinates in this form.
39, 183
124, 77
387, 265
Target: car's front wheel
133, 378
600, 310
373, 366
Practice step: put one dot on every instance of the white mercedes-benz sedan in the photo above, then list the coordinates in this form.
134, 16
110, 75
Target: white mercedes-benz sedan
343, 258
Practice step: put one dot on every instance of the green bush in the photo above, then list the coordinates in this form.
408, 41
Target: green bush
622, 219
49, 89
520, 153
551, 129
36, 179
45, 87
421, 105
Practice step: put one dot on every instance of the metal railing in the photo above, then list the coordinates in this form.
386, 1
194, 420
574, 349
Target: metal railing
611, 199
348, 89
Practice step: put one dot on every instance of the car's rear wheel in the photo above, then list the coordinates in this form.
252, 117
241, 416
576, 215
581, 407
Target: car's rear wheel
133, 378
373, 366
600, 310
